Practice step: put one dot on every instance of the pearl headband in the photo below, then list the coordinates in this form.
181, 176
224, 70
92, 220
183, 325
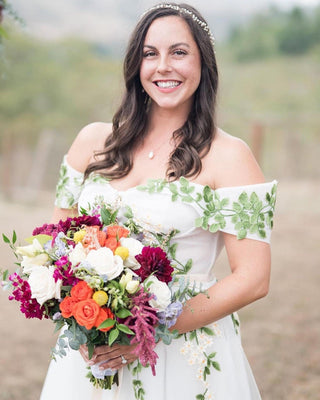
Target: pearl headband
203, 24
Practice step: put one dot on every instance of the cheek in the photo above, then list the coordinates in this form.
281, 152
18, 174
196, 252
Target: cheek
145, 71
193, 71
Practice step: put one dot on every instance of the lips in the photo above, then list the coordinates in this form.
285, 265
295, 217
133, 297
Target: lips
167, 84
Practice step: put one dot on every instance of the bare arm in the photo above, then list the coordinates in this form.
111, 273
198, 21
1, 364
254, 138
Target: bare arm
249, 259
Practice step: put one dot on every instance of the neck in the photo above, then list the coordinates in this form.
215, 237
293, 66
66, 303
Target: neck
166, 120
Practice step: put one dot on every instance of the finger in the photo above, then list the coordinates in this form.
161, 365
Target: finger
115, 364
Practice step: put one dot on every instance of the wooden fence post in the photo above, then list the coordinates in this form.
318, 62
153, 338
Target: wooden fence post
39, 164
7, 146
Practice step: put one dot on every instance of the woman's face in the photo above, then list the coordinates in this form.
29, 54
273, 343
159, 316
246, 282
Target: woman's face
170, 71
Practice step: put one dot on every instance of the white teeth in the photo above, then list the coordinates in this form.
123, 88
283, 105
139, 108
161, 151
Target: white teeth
167, 84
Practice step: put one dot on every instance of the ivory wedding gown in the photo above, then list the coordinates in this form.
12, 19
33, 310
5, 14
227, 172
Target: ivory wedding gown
245, 211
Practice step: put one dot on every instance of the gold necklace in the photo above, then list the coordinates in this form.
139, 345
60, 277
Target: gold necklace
152, 154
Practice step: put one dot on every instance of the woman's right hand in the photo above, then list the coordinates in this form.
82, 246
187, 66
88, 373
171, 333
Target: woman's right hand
114, 357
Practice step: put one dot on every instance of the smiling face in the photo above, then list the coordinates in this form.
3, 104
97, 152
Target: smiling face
170, 71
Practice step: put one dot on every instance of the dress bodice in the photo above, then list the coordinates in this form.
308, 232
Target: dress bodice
199, 213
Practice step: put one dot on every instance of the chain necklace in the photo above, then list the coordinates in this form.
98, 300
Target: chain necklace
152, 154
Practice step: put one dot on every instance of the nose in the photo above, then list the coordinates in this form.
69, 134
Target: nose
164, 65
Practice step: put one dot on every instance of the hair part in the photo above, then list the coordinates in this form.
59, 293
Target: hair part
194, 138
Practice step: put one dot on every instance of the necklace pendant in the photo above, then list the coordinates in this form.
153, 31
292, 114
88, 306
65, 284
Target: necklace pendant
151, 155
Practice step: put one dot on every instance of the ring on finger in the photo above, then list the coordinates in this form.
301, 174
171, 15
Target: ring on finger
123, 359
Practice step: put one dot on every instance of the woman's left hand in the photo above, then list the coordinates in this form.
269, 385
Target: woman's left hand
115, 357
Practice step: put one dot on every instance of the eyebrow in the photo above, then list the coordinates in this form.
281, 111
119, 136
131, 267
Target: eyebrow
171, 47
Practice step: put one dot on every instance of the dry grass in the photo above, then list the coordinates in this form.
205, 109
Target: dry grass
280, 333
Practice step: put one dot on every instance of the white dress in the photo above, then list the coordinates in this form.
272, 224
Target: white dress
245, 211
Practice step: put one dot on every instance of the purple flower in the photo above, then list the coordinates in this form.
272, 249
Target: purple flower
153, 260
170, 314
61, 248
56, 316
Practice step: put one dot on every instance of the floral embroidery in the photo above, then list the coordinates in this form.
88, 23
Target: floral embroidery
249, 214
68, 187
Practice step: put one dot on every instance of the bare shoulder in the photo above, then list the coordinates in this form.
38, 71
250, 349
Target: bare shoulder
90, 139
232, 162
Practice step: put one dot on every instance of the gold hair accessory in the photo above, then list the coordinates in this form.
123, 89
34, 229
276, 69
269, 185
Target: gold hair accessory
184, 10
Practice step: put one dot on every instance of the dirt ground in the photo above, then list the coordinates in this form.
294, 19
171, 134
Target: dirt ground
280, 334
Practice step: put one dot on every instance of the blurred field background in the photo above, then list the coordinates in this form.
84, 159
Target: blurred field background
269, 96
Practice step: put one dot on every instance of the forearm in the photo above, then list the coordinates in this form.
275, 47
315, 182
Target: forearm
226, 296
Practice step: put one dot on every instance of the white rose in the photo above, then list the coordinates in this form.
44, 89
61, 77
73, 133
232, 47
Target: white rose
31, 250
28, 263
105, 263
42, 284
161, 291
135, 247
77, 255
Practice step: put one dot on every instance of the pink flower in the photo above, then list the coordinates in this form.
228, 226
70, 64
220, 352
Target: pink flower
142, 321
68, 227
64, 272
22, 293
153, 260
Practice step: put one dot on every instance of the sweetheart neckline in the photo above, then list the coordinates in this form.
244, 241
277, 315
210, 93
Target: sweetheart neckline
107, 181
136, 187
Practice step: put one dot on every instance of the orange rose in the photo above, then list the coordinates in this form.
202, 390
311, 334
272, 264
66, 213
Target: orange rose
86, 313
112, 243
81, 291
94, 237
104, 314
66, 306
117, 231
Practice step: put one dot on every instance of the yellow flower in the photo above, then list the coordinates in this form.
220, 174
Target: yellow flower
78, 236
123, 252
100, 297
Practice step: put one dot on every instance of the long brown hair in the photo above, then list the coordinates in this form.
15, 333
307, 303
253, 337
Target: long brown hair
193, 139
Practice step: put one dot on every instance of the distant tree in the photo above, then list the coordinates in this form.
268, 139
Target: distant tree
276, 32
257, 39
5, 7
295, 37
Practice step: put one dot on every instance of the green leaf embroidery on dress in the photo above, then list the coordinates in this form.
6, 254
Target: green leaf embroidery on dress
65, 195
247, 214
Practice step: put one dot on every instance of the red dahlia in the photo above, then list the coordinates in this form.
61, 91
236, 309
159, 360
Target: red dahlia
153, 260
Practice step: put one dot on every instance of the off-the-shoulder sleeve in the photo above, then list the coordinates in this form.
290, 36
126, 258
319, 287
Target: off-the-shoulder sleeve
69, 186
244, 211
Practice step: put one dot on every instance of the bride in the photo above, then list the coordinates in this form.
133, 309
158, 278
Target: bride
164, 130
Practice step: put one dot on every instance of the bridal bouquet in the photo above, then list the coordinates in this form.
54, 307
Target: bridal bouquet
102, 282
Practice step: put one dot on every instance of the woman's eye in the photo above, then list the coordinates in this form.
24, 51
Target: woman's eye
149, 54
179, 52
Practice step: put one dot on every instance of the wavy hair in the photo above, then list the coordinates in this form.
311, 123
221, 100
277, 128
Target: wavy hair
193, 139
